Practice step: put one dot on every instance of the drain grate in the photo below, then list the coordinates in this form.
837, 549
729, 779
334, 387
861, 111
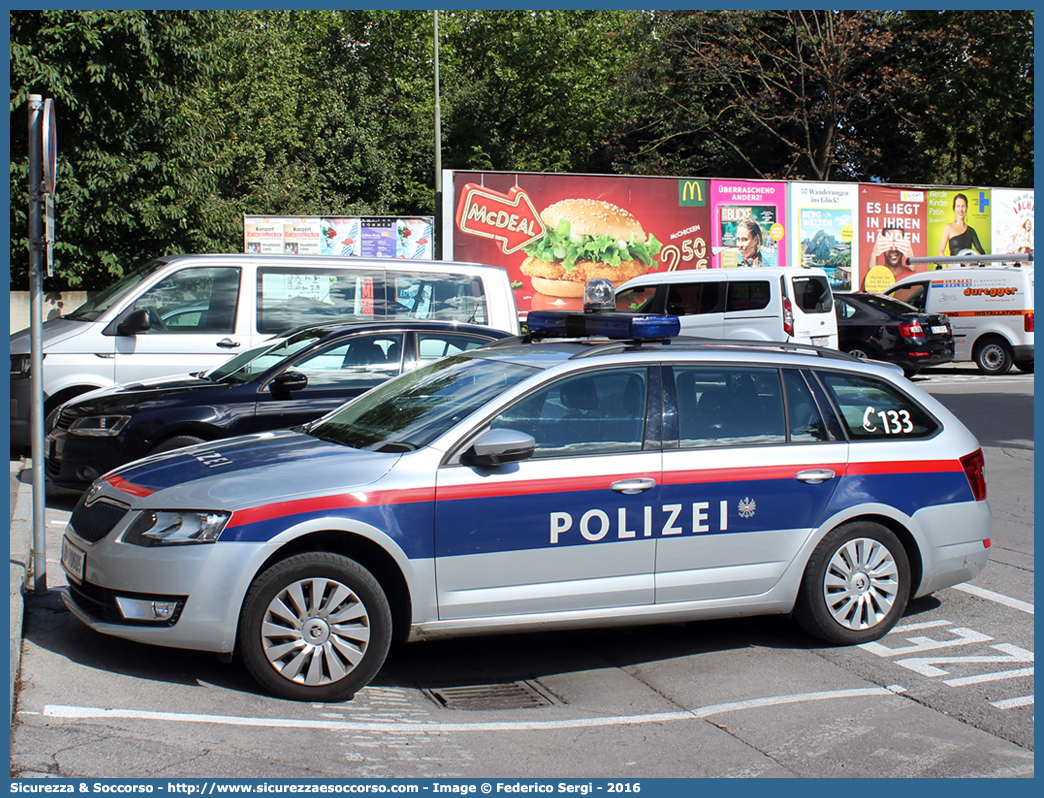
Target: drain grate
512, 695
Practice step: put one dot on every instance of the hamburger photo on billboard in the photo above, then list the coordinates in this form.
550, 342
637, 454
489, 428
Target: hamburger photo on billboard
587, 238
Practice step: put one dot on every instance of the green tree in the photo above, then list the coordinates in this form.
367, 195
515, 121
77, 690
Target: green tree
138, 164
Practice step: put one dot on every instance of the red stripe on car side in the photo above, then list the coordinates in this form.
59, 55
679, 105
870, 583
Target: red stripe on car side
266, 512
129, 487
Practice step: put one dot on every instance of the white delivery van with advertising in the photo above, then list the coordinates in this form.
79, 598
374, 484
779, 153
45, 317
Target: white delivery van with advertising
766, 303
990, 310
186, 313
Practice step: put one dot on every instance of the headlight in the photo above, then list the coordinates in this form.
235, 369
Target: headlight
20, 365
175, 528
99, 426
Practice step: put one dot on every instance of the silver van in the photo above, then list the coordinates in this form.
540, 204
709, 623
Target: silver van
792, 304
186, 313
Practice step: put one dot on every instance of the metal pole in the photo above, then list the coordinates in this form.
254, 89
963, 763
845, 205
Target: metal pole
438, 150
36, 421
1025, 257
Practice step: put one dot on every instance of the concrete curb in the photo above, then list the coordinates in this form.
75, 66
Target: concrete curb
21, 568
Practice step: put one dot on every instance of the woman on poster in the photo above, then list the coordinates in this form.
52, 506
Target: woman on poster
748, 240
957, 235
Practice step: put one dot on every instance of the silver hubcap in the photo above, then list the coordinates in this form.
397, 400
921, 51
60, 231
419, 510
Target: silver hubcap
861, 583
315, 631
992, 356
859, 353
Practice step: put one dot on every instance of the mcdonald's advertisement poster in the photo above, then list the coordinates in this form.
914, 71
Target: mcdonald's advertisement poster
552, 232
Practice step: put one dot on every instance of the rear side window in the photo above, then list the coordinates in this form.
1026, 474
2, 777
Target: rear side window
729, 406
289, 297
872, 409
202, 300
748, 295
690, 299
812, 294
444, 297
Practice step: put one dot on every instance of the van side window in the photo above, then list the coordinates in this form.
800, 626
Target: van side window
443, 297
873, 410
748, 295
194, 301
914, 294
688, 299
290, 296
639, 299
729, 406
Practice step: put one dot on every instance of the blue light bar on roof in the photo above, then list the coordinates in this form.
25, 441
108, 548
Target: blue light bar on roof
617, 326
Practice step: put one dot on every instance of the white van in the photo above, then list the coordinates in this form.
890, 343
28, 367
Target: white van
760, 304
990, 310
186, 313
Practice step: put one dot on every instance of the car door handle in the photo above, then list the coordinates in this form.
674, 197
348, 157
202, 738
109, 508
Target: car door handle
816, 475
633, 486
228, 343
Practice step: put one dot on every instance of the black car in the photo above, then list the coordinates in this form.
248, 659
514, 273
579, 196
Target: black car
877, 327
282, 383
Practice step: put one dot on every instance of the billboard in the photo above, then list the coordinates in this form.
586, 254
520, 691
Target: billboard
409, 237
552, 231
826, 230
750, 219
1012, 220
959, 221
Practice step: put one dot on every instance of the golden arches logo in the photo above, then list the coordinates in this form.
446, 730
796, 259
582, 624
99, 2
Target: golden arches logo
691, 193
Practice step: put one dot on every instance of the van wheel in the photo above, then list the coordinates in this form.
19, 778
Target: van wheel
856, 585
1025, 366
315, 627
993, 356
177, 442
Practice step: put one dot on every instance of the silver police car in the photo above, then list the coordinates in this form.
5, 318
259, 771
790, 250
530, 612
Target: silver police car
597, 471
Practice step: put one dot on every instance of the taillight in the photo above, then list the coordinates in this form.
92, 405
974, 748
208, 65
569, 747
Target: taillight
1027, 321
788, 317
975, 469
911, 329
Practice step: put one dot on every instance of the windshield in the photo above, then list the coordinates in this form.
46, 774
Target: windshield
413, 410
101, 302
255, 362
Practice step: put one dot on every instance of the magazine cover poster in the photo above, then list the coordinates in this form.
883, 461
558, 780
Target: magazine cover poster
826, 230
596, 226
892, 227
959, 221
1012, 218
749, 223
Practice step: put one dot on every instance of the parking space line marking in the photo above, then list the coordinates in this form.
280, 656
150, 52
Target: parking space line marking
991, 596
1011, 703
84, 713
989, 677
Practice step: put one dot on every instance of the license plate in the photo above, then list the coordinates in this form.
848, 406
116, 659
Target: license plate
938, 330
73, 560
820, 340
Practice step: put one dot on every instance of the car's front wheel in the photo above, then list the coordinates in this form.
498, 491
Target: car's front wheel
856, 585
315, 627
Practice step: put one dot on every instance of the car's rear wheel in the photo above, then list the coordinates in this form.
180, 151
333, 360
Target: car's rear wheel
993, 356
315, 627
856, 585
861, 352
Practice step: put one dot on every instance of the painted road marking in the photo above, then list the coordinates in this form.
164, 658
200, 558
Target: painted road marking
1011, 703
84, 713
991, 596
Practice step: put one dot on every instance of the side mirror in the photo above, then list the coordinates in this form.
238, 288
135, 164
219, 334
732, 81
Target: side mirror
499, 446
137, 321
287, 382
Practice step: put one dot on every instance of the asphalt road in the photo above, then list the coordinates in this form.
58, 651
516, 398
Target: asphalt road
949, 693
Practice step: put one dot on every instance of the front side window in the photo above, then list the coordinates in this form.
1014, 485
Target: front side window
598, 412
200, 300
445, 297
640, 299
360, 362
748, 295
289, 297
875, 410
729, 406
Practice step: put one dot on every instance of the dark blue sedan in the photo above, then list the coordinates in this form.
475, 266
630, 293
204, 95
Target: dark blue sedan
283, 383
